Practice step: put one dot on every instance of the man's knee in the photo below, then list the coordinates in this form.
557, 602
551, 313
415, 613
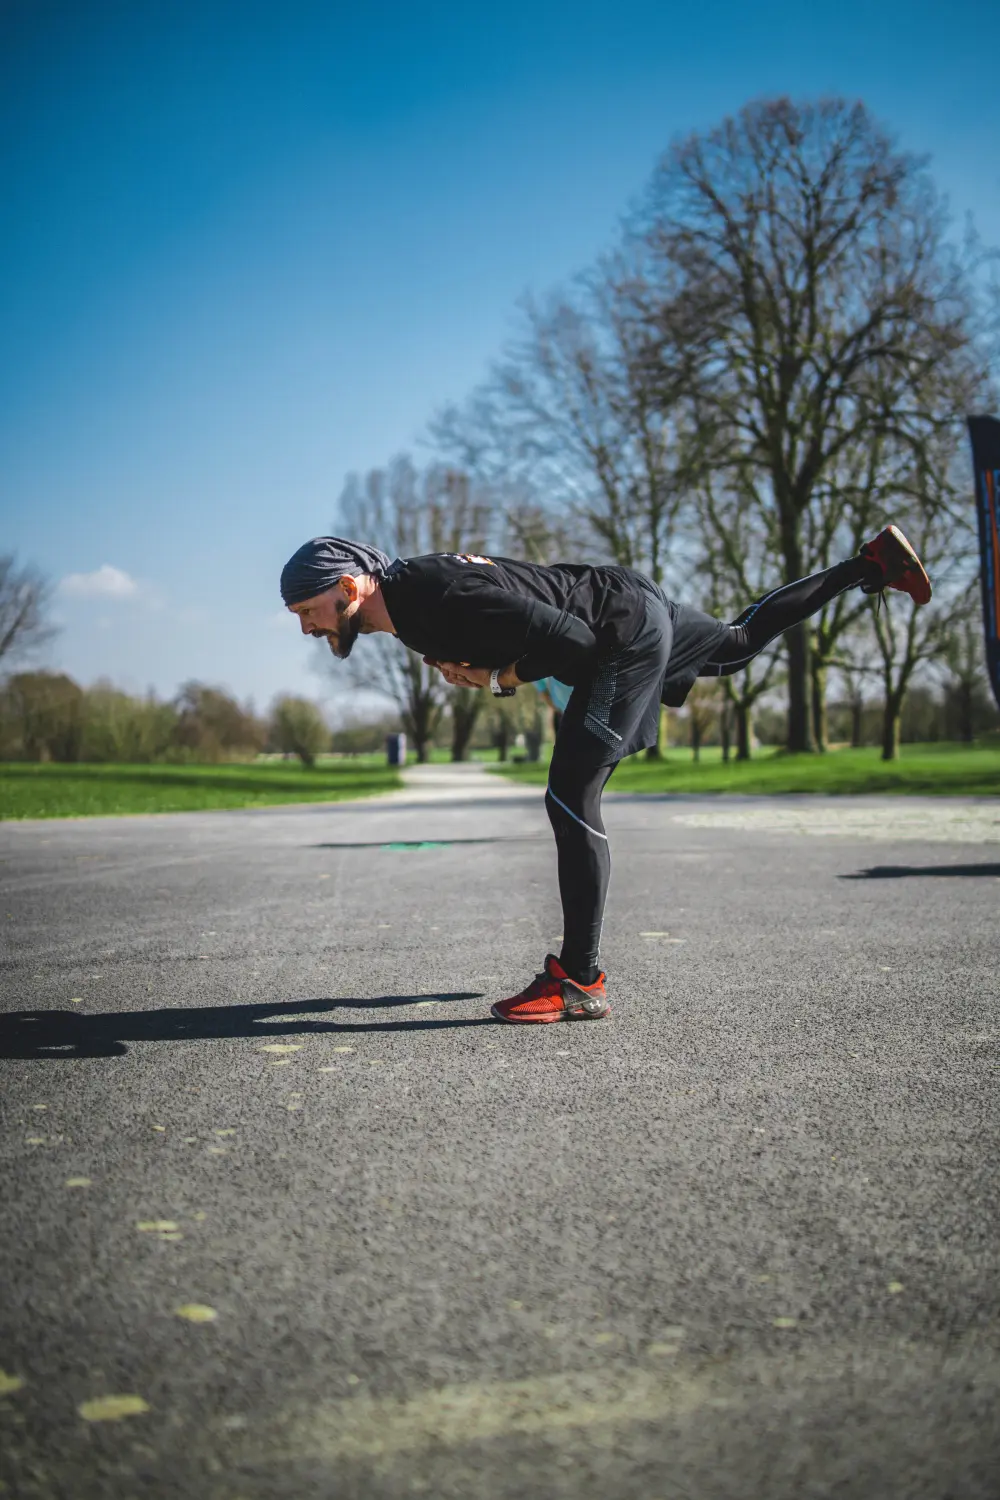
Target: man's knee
573, 799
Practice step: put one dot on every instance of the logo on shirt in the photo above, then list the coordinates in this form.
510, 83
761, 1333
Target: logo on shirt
473, 557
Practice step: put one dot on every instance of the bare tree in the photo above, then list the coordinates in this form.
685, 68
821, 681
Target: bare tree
24, 600
962, 663
737, 563
703, 703
806, 295
569, 415
935, 513
464, 707
409, 512
854, 677
571, 429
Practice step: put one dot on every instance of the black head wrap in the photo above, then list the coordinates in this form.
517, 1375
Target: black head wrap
319, 564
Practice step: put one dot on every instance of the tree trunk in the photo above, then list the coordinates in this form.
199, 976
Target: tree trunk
463, 722
966, 728
695, 738
418, 724
799, 728
725, 731
742, 730
891, 717
857, 710
820, 723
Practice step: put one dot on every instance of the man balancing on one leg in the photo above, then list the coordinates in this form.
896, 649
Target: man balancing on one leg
609, 633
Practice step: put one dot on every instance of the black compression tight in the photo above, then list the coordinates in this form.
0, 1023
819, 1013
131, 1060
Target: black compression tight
778, 611
573, 799
573, 803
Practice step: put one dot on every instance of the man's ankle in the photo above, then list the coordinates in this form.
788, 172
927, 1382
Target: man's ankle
581, 973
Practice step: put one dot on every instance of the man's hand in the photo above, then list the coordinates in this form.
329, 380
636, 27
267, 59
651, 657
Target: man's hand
460, 674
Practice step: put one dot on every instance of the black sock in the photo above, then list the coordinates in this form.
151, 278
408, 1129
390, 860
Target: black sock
580, 974
872, 580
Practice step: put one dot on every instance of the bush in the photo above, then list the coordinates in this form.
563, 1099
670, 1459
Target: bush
43, 716
119, 729
211, 726
298, 728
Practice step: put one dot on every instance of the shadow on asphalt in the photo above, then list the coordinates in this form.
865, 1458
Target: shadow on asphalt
438, 843
898, 872
59, 1034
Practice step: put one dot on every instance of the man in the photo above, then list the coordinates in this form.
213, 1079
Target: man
608, 633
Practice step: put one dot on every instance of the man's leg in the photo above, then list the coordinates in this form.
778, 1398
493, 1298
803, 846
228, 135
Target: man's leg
779, 610
888, 561
573, 803
613, 716
571, 986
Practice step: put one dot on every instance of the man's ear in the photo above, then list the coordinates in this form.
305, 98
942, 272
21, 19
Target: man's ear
350, 587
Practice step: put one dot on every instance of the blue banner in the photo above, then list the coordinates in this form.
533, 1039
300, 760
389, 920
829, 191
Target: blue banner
985, 435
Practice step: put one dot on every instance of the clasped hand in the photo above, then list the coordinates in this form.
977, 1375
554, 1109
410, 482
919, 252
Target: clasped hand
460, 674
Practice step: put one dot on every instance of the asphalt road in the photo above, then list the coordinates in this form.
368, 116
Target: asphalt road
741, 1240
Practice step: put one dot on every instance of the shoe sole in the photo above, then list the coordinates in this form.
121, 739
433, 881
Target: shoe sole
910, 563
547, 1020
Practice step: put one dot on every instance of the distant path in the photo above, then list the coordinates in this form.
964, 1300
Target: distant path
442, 783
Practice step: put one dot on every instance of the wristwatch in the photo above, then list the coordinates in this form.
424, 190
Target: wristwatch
496, 689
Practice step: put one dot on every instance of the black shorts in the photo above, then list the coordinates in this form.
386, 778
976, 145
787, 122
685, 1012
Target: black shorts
618, 712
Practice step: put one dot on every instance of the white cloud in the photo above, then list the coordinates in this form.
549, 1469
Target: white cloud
105, 582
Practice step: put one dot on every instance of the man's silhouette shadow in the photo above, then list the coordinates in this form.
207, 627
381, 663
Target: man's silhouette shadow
900, 872
64, 1033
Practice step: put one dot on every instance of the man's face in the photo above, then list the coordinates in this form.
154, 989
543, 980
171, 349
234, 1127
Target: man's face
332, 616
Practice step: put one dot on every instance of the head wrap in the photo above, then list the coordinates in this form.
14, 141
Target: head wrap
319, 564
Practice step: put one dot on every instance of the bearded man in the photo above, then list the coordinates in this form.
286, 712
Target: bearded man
611, 635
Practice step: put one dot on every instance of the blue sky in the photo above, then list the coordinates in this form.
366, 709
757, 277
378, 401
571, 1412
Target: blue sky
250, 247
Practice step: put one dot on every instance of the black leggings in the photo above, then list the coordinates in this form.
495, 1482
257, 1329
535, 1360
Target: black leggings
573, 803
778, 611
573, 796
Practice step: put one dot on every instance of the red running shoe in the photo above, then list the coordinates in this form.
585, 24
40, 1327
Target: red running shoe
553, 996
900, 565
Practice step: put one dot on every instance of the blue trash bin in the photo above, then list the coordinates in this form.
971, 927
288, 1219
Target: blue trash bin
395, 749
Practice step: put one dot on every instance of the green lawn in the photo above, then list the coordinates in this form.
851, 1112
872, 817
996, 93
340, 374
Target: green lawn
941, 770
73, 791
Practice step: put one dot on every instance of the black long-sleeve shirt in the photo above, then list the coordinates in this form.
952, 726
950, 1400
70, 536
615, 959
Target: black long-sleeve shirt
556, 621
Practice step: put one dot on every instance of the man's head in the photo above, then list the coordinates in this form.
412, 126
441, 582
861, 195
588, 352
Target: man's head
327, 582
334, 615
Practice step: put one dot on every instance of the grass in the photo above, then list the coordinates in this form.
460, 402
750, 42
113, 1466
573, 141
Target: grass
74, 791
77, 791
939, 770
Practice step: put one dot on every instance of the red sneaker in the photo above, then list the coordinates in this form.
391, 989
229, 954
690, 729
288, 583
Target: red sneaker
900, 565
553, 996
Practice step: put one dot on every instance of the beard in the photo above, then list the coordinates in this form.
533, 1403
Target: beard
343, 644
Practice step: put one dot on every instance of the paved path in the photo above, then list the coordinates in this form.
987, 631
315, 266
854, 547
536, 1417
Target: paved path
741, 1240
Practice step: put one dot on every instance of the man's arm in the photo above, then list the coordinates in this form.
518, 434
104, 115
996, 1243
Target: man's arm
541, 639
